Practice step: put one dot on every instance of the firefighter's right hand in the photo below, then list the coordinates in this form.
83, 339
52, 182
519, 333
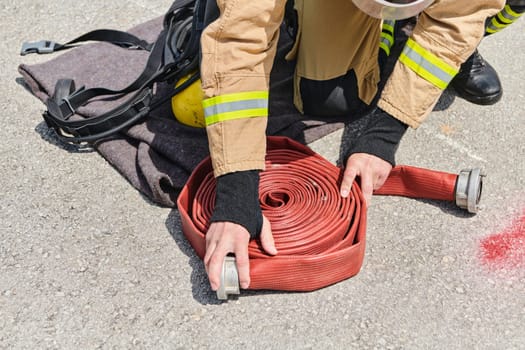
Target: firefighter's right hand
372, 171
224, 238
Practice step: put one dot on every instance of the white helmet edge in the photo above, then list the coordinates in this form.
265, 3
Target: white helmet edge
392, 10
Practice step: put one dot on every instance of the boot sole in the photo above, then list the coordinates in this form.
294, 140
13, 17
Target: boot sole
480, 100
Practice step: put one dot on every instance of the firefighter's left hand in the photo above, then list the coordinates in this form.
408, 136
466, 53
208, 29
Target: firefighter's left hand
372, 171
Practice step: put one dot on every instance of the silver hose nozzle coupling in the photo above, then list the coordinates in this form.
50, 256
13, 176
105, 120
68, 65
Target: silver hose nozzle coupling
229, 279
468, 189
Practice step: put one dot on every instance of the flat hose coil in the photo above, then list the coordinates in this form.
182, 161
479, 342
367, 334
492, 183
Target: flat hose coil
320, 236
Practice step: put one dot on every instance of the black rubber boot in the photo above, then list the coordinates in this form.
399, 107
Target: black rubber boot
477, 81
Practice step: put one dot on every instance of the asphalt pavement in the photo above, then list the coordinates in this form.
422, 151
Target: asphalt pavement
87, 262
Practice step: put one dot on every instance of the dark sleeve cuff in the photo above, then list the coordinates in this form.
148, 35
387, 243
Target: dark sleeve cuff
237, 201
381, 138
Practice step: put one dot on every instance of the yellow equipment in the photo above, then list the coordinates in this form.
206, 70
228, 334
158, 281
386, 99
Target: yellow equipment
187, 104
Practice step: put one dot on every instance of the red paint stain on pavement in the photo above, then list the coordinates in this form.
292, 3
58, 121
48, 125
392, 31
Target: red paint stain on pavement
505, 250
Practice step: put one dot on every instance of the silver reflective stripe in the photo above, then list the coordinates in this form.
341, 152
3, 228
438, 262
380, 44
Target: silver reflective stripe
386, 41
504, 18
509, 13
426, 65
238, 105
495, 26
227, 107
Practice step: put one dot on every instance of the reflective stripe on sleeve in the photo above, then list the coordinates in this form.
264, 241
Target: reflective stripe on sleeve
386, 42
235, 106
387, 36
427, 65
388, 26
504, 18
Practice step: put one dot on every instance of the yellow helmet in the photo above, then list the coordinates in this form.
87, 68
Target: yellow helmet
187, 104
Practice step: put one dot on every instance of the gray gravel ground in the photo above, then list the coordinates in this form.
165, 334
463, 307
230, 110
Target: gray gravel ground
87, 262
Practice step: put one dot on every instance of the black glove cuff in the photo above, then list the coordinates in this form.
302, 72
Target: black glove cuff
237, 201
381, 138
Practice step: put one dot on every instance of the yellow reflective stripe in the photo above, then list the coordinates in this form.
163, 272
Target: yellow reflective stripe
497, 24
491, 29
511, 12
503, 19
248, 113
494, 26
235, 106
427, 65
388, 37
239, 96
389, 26
387, 40
385, 48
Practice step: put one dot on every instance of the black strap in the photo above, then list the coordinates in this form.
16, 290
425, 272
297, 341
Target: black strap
115, 37
173, 55
158, 66
92, 129
152, 70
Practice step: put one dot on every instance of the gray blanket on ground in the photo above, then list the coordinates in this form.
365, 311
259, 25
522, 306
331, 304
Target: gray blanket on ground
157, 155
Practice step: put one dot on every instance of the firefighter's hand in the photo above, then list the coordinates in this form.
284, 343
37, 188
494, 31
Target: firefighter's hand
372, 171
223, 238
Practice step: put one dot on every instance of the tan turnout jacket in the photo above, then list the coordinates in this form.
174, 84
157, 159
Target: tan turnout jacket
334, 37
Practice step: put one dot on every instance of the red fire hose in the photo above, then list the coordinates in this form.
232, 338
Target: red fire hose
319, 235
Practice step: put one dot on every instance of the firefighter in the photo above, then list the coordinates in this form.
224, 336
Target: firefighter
337, 72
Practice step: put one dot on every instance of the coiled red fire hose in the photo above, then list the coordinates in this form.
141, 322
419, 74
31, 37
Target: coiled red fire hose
319, 235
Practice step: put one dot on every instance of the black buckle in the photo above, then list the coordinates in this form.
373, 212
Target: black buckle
66, 101
72, 111
44, 46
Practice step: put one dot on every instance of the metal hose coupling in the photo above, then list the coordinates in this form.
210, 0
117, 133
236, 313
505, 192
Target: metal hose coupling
229, 279
468, 189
